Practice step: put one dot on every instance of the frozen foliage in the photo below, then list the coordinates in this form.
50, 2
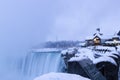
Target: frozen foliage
60, 76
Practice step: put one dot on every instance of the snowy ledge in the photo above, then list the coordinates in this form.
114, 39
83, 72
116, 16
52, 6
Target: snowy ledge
60, 76
46, 50
104, 59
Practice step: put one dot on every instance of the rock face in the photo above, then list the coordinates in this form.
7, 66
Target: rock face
75, 68
109, 70
86, 68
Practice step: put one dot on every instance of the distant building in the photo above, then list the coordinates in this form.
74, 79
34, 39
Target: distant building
100, 39
115, 41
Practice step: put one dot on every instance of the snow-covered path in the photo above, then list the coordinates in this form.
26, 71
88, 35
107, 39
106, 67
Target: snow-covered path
60, 76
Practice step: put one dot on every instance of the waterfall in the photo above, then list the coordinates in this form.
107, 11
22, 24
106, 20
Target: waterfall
38, 63
30, 65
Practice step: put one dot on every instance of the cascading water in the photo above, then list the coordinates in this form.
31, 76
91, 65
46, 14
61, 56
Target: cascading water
27, 67
38, 63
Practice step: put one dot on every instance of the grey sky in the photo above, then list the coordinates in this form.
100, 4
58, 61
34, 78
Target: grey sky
79, 18
25, 23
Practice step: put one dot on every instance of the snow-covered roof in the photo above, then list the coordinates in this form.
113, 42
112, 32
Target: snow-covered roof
100, 36
112, 42
97, 34
60, 76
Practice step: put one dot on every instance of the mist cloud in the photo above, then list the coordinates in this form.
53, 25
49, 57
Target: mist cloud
24, 24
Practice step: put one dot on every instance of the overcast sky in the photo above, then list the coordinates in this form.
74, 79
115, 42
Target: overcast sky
76, 19
26, 23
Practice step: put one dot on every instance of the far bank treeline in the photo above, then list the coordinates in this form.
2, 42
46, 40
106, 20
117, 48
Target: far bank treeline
61, 44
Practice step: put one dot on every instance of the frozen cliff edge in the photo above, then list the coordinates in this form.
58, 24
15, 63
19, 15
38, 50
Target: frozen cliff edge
60, 76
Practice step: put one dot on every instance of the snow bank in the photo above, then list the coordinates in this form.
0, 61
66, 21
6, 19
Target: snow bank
60, 76
86, 52
83, 53
80, 57
105, 48
69, 50
118, 49
104, 59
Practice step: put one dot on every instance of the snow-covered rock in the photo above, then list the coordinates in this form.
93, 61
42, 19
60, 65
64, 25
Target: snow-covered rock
118, 49
78, 58
105, 48
86, 52
83, 53
69, 51
89, 52
104, 59
60, 76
